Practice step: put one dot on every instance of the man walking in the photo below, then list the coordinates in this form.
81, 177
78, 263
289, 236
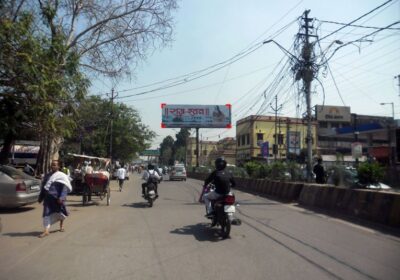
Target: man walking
319, 172
121, 173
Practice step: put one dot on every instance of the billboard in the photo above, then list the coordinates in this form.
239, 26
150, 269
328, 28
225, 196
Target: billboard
196, 116
333, 113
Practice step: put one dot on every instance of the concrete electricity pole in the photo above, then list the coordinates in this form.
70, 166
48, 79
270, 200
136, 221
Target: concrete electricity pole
111, 122
307, 77
276, 109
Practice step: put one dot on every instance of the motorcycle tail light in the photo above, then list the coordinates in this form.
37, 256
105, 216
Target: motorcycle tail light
229, 200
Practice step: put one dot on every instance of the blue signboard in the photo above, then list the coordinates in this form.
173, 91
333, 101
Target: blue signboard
265, 149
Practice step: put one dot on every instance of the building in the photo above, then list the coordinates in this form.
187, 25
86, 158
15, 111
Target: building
339, 130
255, 137
205, 148
226, 148
211, 150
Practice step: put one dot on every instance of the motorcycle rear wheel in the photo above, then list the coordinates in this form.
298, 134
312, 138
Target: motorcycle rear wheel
225, 226
150, 202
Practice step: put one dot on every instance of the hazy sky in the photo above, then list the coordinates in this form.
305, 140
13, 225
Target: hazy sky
209, 32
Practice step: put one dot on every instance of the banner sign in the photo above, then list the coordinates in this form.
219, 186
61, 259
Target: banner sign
196, 116
333, 113
356, 150
265, 149
293, 142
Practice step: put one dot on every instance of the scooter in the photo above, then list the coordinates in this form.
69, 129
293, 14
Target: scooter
223, 209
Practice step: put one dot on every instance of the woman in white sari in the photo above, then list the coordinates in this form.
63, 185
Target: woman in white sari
55, 188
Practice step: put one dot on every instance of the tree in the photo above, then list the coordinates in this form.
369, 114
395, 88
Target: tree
37, 91
112, 34
92, 134
166, 151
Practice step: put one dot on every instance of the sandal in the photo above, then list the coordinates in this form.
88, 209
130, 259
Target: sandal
44, 234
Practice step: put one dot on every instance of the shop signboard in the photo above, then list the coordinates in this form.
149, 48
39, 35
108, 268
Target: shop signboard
356, 150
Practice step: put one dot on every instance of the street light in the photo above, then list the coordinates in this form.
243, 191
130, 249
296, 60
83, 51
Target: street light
390, 103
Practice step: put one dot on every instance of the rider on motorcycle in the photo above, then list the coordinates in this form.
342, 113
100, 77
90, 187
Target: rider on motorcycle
223, 181
148, 174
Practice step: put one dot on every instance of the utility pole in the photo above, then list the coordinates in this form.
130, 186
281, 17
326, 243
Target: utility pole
307, 75
197, 147
111, 122
398, 78
276, 109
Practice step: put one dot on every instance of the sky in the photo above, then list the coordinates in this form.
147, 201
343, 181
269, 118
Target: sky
225, 39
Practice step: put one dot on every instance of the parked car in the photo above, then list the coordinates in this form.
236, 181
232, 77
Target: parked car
347, 177
17, 188
178, 172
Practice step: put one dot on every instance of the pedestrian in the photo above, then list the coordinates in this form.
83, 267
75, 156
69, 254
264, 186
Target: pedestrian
121, 173
319, 172
53, 194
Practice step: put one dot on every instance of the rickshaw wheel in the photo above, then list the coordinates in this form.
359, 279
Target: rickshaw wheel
85, 195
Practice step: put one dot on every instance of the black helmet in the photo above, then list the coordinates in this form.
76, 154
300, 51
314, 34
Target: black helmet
220, 163
150, 167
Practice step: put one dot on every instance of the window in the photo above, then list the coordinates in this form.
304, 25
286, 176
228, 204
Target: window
247, 139
243, 139
260, 136
204, 152
195, 152
238, 141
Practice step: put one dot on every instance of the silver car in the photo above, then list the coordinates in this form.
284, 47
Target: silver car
178, 173
17, 188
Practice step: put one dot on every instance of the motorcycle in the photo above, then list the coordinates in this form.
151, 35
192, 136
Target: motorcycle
223, 209
150, 194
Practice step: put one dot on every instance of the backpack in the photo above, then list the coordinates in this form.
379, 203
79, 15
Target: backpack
152, 178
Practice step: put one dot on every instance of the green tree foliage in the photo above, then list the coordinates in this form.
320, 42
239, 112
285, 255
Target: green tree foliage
167, 151
38, 85
171, 150
51, 48
92, 135
370, 173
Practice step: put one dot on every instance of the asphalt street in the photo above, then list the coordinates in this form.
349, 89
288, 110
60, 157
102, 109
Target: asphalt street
172, 240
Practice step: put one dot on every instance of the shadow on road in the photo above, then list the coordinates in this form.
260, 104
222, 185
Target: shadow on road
23, 234
143, 204
201, 231
15, 210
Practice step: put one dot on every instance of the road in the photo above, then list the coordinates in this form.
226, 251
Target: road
172, 240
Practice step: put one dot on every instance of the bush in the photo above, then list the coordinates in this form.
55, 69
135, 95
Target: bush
370, 173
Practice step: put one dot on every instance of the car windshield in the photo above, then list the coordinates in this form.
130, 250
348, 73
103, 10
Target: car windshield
14, 173
179, 169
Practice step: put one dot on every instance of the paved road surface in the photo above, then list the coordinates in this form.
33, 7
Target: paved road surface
172, 240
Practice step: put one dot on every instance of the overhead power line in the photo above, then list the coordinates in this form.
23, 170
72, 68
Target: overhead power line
353, 21
354, 25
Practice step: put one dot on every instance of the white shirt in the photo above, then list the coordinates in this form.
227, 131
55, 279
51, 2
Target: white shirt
147, 174
121, 173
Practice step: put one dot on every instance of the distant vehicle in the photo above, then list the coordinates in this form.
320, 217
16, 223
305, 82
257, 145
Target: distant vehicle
347, 177
17, 188
178, 172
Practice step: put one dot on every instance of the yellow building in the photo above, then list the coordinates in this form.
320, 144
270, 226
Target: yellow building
226, 148
205, 148
253, 131
211, 150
